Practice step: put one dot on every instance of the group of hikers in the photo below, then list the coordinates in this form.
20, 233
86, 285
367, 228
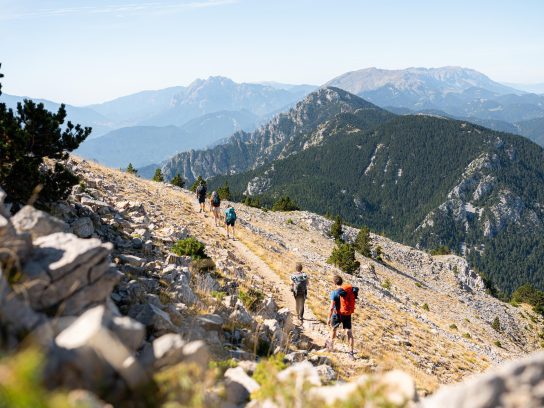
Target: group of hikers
214, 207
342, 298
342, 305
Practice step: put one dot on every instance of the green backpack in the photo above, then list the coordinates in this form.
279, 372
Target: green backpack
231, 215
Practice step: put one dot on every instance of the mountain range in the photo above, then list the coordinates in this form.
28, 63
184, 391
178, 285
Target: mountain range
425, 180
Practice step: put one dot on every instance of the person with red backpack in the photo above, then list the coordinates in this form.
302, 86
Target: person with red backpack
342, 307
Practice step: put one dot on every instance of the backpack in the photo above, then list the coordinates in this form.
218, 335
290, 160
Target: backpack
201, 190
347, 299
216, 200
231, 215
300, 284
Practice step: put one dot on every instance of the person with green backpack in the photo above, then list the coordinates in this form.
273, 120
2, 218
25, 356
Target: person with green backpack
230, 220
300, 290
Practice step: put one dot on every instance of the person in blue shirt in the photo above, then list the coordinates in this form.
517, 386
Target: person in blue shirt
342, 307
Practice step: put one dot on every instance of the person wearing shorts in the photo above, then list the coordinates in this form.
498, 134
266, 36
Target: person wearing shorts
230, 219
337, 319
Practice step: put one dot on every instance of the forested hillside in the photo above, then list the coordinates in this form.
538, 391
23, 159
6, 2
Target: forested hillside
425, 181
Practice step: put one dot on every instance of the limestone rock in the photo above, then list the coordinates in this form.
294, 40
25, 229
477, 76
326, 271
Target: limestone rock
518, 383
326, 373
36, 222
211, 321
152, 317
304, 372
83, 227
61, 265
90, 331
239, 386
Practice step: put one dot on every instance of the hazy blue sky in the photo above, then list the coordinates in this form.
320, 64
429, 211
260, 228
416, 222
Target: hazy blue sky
89, 51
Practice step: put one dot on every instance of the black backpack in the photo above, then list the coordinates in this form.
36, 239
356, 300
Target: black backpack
300, 284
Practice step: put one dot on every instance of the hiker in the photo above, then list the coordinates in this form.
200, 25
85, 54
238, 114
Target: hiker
230, 219
342, 307
201, 196
300, 290
215, 202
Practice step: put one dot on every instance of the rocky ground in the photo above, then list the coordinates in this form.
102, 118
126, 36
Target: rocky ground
113, 307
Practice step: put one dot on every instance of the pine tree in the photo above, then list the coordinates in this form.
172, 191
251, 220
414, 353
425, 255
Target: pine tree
285, 204
178, 181
197, 183
27, 136
336, 229
343, 256
496, 325
224, 192
131, 170
362, 242
158, 176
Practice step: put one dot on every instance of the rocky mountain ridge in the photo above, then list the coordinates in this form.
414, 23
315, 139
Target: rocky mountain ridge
166, 311
286, 134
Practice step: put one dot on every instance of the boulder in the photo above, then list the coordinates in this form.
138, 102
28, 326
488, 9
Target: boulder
239, 386
15, 247
296, 356
326, 373
165, 350
83, 227
241, 315
129, 331
268, 308
61, 265
211, 321
90, 331
518, 383
36, 222
152, 317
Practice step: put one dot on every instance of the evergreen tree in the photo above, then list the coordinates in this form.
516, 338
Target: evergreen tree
252, 201
158, 176
178, 181
336, 229
131, 170
285, 204
496, 325
197, 183
343, 256
29, 135
362, 242
224, 192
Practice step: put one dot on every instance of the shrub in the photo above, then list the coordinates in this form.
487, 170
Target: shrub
251, 298
178, 181
285, 204
190, 247
203, 265
27, 136
498, 343
467, 335
224, 192
441, 250
218, 295
343, 256
254, 202
131, 170
223, 365
425, 307
336, 229
362, 242
386, 284
496, 325
21, 383
419, 285
379, 253
530, 295
265, 374
453, 326
289, 221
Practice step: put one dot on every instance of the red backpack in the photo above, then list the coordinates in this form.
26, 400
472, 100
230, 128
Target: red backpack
347, 302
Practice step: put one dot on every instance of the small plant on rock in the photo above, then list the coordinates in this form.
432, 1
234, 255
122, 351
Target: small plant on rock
158, 177
496, 325
190, 247
379, 253
386, 284
453, 326
251, 298
498, 343
467, 335
425, 307
343, 256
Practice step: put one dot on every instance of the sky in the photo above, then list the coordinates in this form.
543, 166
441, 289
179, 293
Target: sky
82, 52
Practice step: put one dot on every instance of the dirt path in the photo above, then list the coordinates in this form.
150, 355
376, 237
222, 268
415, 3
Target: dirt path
312, 329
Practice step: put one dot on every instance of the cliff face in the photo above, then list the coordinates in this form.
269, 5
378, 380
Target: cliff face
111, 304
